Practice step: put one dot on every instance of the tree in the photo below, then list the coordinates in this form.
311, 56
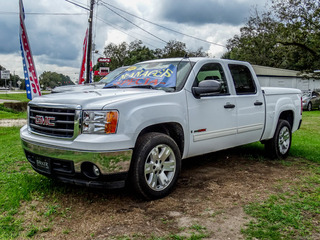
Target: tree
286, 36
138, 53
117, 54
128, 54
174, 49
53, 79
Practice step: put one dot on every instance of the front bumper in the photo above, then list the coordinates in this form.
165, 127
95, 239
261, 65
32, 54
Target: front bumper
75, 165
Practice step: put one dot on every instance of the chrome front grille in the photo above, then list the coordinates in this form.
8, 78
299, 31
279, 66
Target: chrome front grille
55, 121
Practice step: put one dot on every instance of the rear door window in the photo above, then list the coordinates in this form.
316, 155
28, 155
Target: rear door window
242, 79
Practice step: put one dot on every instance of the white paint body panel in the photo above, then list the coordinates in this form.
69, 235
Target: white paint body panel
141, 108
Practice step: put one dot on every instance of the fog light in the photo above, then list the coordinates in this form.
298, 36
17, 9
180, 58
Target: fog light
90, 170
96, 170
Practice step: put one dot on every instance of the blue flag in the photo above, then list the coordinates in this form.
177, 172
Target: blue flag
157, 77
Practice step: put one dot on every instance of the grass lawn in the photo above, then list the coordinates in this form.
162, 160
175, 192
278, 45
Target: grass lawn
293, 214
15, 96
7, 113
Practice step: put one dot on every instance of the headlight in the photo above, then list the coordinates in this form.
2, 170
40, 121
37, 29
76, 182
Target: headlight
100, 121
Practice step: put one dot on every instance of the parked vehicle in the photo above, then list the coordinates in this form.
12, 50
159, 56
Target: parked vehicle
143, 123
90, 86
311, 100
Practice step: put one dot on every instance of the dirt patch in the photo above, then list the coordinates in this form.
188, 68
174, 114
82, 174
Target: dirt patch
208, 200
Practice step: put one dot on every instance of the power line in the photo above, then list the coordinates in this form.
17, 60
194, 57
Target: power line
133, 23
117, 28
41, 13
78, 5
164, 27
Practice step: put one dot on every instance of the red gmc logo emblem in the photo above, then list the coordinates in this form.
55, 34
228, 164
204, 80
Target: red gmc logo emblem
44, 120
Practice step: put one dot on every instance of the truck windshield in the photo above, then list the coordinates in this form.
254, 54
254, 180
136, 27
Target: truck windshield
165, 75
113, 74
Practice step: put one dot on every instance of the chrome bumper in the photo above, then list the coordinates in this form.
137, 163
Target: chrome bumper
109, 162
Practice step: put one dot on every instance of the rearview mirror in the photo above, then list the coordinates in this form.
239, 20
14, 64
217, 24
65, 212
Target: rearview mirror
207, 87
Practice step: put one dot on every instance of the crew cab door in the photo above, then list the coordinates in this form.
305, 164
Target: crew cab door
250, 104
212, 116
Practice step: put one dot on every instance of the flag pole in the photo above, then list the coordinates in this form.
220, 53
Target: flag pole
89, 42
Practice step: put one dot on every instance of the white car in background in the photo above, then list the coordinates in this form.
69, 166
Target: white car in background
90, 86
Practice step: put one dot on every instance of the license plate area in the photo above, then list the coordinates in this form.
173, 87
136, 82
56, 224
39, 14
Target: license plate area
43, 164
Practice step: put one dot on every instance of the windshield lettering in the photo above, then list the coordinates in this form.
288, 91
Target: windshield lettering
162, 77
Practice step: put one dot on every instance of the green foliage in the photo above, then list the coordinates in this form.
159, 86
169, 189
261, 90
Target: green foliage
287, 35
53, 79
128, 54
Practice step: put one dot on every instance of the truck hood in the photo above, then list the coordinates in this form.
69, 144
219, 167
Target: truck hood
77, 88
96, 99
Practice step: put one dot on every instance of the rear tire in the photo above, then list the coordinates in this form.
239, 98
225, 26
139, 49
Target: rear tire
279, 145
156, 165
309, 107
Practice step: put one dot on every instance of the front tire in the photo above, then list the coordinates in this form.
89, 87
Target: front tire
279, 145
156, 165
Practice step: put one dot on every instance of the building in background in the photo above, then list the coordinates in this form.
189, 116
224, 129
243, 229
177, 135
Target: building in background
277, 77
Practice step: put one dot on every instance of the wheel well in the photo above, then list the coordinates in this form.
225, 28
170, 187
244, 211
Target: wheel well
174, 130
287, 115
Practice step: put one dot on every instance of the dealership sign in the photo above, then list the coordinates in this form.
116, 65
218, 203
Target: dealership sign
104, 60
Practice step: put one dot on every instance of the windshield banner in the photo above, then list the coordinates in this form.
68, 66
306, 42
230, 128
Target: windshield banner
158, 77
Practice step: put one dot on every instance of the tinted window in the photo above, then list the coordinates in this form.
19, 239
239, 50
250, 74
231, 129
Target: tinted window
242, 79
213, 71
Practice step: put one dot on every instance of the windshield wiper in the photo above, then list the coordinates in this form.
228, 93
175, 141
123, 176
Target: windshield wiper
143, 86
112, 86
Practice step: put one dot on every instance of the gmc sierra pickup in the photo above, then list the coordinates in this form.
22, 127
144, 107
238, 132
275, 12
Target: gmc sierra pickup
147, 119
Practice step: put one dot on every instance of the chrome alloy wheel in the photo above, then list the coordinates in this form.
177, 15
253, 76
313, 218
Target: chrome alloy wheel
160, 167
284, 140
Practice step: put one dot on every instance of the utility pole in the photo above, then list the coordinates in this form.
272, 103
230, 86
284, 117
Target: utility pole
89, 42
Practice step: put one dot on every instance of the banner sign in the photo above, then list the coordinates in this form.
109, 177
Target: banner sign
83, 63
158, 77
104, 60
30, 75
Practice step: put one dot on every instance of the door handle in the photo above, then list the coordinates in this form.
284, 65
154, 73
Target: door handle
257, 103
229, 105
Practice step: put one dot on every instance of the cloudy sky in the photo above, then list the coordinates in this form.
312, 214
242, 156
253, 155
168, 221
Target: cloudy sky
56, 28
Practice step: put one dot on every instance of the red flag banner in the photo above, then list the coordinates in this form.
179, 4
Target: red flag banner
30, 74
83, 63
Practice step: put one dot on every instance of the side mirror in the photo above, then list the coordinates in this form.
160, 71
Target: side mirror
207, 87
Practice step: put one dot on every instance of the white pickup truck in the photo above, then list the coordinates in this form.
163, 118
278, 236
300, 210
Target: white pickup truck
143, 123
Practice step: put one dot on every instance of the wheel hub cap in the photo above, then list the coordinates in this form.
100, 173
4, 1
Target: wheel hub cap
284, 140
160, 167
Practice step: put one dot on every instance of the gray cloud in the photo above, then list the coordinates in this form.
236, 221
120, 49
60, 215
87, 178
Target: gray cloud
9, 38
58, 37
56, 41
205, 11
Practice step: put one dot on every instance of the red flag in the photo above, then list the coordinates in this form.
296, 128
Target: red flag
30, 74
83, 63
